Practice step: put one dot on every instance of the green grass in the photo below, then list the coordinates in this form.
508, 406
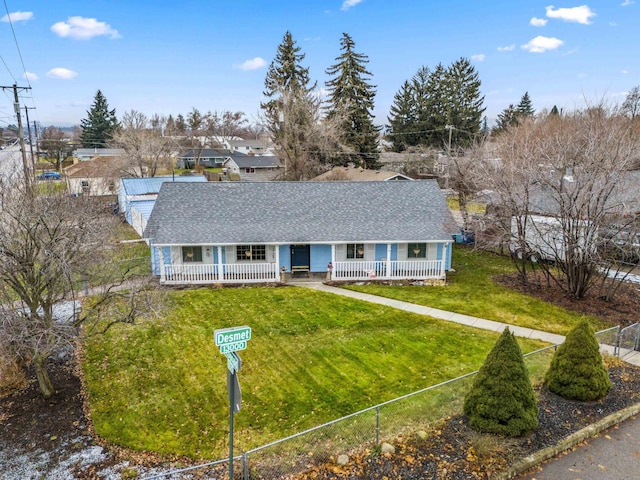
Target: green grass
472, 207
313, 357
472, 291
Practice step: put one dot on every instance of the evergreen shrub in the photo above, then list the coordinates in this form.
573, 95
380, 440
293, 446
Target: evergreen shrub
577, 371
501, 400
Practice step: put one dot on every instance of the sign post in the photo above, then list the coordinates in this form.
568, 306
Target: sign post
231, 340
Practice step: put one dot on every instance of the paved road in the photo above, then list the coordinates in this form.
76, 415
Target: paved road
10, 163
612, 455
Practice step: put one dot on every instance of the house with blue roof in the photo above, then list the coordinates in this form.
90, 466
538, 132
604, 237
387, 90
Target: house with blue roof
261, 232
137, 196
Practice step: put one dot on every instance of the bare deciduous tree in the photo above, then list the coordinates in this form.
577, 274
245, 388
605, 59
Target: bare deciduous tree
146, 148
574, 170
54, 146
50, 245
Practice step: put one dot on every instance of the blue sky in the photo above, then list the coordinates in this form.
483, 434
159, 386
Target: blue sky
159, 56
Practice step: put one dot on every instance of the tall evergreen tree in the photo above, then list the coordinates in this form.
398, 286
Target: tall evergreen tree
286, 81
350, 100
100, 125
292, 113
507, 118
464, 102
525, 107
447, 105
402, 119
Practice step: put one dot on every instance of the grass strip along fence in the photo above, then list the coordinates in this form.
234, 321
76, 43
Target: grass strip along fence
406, 415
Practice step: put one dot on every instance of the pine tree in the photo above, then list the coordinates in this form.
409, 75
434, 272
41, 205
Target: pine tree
292, 114
286, 80
462, 84
402, 119
502, 400
525, 107
554, 111
350, 100
576, 371
507, 118
100, 125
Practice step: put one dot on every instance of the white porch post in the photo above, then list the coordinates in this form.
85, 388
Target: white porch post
388, 266
163, 277
333, 259
277, 272
220, 272
443, 264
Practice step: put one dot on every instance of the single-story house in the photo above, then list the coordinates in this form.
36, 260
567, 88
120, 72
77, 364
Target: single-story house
207, 157
83, 154
136, 196
251, 232
357, 174
253, 168
96, 177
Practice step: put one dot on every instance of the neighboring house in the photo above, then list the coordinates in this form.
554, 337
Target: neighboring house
248, 147
83, 154
95, 177
136, 196
246, 232
207, 157
356, 174
254, 169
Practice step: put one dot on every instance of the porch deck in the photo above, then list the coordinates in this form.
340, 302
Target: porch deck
270, 273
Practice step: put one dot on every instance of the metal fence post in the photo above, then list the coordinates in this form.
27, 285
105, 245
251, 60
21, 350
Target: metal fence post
245, 465
616, 348
636, 344
377, 424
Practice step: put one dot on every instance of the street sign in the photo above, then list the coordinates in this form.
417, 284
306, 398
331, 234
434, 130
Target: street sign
234, 362
232, 339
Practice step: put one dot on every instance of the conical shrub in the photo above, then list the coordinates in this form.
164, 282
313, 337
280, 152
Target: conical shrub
577, 371
502, 400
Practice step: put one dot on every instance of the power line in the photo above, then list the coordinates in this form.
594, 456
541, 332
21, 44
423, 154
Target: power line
15, 39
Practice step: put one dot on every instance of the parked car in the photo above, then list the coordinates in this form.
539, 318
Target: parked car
49, 176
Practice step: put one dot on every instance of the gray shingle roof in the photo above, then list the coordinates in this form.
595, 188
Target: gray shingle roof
299, 212
249, 161
145, 186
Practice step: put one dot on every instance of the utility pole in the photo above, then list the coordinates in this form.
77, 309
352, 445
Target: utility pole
16, 107
35, 129
450, 128
33, 162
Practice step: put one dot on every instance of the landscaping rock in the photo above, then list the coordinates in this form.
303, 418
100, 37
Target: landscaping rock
387, 448
342, 460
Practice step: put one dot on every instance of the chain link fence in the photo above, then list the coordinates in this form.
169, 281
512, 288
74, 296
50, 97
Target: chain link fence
407, 415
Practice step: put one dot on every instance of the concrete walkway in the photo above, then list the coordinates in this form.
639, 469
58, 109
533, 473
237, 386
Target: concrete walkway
630, 357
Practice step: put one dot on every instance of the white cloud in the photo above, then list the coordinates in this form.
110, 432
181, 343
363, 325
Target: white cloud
479, 57
626, 3
17, 17
580, 14
30, 76
541, 44
252, 64
347, 4
625, 72
82, 28
508, 48
538, 22
61, 73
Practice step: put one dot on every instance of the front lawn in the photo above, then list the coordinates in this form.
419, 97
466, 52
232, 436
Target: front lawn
313, 357
471, 290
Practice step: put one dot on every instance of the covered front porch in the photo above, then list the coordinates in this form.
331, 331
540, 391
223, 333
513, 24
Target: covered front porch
277, 263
